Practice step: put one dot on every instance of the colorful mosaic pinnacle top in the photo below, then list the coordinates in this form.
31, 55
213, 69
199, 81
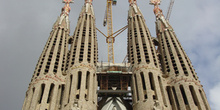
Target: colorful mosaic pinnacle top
66, 9
157, 10
88, 1
132, 1
153, 2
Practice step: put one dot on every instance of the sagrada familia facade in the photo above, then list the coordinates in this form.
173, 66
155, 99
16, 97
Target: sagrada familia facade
71, 78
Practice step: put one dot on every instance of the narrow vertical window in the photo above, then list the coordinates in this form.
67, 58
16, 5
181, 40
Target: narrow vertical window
62, 93
94, 87
50, 93
71, 79
143, 84
58, 95
152, 84
33, 90
162, 91
87, 79
169, 92
184, 95
77, 96
136, 87
175, 96
79, 79
143, 81
41, 93
151, 81
195, 99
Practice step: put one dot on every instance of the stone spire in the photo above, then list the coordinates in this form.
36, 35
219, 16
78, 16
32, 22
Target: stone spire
183, 87
147, 88
47, 84
81, 81
64, 16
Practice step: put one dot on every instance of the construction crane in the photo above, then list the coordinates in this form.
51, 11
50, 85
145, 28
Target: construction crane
110, 39
169, 10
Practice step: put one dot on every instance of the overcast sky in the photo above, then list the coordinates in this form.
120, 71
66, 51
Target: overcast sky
25, 26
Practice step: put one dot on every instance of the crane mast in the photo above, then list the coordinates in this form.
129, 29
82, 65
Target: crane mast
169, 10
110, 39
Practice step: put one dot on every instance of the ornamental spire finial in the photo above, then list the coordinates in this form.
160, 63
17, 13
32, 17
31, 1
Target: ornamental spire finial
65, 12
88, 1
157, 10
66, 9
132, 1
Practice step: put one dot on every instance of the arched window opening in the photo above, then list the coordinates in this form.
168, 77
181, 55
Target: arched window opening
71, 79
176, 99
171, 99
41, 93
137, 94
162, 91
184, 95
151, 78
143, 81
50, 93
87, 79
79, 79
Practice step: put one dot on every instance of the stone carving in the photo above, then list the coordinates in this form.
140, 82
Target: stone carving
157, 105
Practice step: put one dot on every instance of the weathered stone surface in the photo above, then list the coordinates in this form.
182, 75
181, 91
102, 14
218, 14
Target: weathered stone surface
162, 78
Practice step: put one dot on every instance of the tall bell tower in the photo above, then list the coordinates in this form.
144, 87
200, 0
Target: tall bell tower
183, 87
147, 83
81, 80
45, 92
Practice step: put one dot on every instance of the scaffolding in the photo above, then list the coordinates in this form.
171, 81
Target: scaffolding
114, 80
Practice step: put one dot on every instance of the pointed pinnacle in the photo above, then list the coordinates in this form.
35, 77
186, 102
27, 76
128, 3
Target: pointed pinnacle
66, 9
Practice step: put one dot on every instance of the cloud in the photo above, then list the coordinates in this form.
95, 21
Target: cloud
197, 27
205, 42
215, 97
